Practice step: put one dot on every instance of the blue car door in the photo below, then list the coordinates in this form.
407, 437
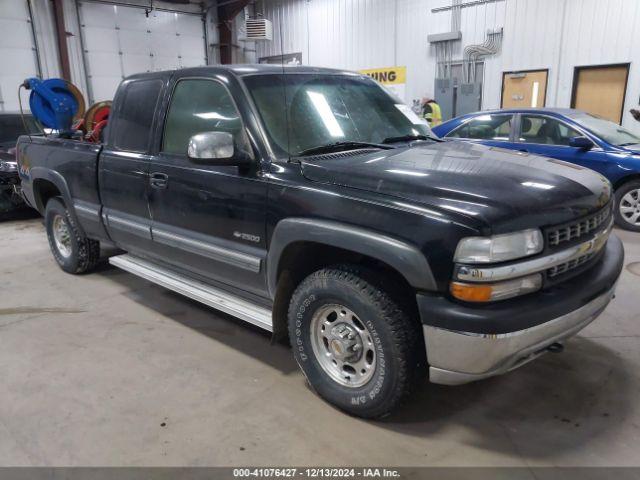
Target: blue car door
550, 136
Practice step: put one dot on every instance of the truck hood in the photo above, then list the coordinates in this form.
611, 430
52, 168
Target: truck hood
487, 187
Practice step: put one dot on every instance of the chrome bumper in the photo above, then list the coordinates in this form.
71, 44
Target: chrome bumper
456, 358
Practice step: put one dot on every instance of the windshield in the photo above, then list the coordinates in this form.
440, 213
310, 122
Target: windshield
11, 127
607, 130
327, 109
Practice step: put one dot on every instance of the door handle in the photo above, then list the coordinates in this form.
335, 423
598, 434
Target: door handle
159, 180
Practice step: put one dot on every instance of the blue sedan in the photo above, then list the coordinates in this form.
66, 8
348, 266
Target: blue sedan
565, 134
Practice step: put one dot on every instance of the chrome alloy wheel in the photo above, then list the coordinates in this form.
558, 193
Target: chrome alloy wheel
343, 345
61, 236
630, 207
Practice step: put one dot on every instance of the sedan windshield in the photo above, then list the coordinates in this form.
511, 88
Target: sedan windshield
11, 127
303, 113
607, 130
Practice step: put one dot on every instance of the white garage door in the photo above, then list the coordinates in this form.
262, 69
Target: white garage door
17, 51
120, 41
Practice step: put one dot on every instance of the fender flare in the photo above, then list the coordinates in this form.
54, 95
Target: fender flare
407, 259
41, 173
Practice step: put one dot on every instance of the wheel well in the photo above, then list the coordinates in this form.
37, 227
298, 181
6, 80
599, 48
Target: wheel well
43, 191
626, 179
300, 259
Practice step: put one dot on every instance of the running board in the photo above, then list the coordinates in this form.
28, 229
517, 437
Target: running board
201, 292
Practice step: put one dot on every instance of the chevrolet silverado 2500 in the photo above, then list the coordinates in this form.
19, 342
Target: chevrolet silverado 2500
312, 203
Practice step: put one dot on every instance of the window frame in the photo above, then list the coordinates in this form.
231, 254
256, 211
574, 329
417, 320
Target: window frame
160, 144
560, 120
469, 120
113, 133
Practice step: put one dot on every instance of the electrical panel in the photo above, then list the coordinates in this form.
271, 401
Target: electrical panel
468, 98
444, 96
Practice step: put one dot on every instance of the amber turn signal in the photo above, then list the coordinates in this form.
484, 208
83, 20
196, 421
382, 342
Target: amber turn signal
469, 292
491, 292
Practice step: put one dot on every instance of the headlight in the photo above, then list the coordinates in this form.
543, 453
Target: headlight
491, 292
499, 248
8, 166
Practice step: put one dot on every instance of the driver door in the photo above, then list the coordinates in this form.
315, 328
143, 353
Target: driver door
542, 135
207, 219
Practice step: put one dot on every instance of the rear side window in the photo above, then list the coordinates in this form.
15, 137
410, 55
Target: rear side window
135, 116
485, 127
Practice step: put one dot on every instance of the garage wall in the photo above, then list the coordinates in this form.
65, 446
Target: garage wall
163, 40
23, 53
553, 34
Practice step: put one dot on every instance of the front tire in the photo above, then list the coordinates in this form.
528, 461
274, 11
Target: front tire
357, 347
72, 250
627, 210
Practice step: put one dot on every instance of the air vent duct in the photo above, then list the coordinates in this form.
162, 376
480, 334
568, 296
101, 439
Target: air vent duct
257, 29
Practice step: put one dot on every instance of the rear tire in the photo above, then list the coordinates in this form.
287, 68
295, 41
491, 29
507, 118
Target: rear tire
357, 347
74, 252
627, 210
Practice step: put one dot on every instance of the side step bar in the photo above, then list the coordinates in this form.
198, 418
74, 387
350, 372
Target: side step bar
213, 297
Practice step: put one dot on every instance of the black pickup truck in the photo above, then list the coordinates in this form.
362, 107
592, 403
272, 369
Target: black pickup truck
312, 203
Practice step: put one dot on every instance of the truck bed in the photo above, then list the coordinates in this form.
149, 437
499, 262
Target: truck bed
70, 165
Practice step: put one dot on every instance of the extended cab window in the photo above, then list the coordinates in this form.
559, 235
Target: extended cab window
135, 115
485, 127
198, 106
545, 131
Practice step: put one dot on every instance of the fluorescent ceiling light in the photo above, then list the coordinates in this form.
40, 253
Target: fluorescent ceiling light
541, 186
409, 172
324, 110
213, 116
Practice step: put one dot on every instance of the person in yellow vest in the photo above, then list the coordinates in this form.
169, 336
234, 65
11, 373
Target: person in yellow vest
431, 112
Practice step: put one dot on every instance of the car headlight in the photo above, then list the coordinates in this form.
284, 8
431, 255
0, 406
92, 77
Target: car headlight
499, 248
8, 166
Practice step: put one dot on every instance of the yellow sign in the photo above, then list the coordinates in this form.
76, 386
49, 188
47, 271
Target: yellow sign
387, 76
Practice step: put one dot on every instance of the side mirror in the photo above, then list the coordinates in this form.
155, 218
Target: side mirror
212, 147
583, 143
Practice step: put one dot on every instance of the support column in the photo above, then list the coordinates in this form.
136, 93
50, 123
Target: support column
61, 34
227, 11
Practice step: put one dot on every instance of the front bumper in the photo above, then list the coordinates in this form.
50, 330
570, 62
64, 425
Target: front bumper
479, 343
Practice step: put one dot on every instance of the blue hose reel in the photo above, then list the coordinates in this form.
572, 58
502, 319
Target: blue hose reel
55, 103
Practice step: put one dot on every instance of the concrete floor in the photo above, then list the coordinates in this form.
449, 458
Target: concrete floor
108, 369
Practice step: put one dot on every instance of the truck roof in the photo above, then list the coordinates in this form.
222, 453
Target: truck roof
241, 70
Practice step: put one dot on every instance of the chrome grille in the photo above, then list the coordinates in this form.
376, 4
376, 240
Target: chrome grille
570, 265
572, 231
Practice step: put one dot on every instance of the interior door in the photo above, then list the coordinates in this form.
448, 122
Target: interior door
124, 165
601, 90
208, 219
524, 89
543, 135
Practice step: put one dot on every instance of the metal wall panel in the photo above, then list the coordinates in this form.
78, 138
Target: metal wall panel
17, 52
538, 34
120, 41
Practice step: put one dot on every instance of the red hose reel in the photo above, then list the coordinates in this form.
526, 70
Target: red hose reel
95, 120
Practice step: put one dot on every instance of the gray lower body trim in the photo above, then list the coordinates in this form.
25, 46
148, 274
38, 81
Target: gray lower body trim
456, 358
201, 292
209, 250
128, 226
87, 210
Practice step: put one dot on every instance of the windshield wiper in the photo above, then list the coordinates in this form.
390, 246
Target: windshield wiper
340, 147
628, 144
409, 138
